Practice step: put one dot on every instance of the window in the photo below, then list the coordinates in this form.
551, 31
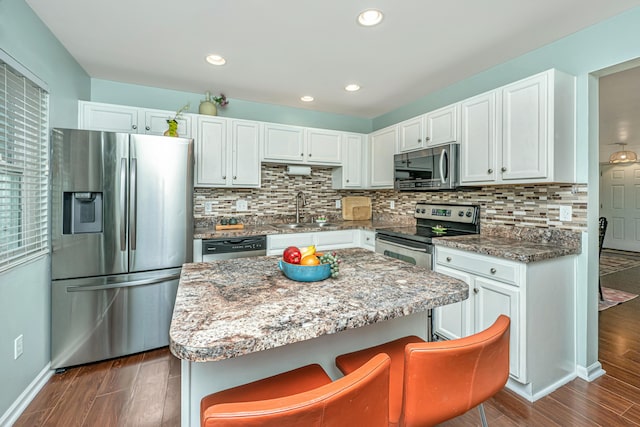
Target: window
23, 166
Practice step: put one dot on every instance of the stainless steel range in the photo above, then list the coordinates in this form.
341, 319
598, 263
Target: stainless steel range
414, 244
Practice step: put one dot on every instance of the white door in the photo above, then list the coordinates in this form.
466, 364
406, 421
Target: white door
493, 299
620, 204
455, 320
442, 125
383, 147
479, 139
323, 146
245, 155
524, 129
211, 152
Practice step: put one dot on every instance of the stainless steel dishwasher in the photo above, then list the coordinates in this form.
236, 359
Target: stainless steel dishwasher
233, 247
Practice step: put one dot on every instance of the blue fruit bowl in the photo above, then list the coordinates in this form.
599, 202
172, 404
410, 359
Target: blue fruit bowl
305, 273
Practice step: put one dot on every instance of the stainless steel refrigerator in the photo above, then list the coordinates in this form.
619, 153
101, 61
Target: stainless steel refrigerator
121, 228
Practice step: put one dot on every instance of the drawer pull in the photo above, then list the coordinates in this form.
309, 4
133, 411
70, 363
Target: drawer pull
493, 271
448, 259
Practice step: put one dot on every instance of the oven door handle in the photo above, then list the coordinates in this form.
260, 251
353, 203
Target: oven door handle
401, 246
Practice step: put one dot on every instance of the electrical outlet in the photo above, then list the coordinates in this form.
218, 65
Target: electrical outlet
338, 204
241, 205
208, 207
392, 204
18, 347
565, 213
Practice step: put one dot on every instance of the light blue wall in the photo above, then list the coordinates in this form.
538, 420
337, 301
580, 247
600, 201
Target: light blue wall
608, 43
24, 291
165, 99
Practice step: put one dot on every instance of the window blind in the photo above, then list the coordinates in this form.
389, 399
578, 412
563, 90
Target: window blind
24, 167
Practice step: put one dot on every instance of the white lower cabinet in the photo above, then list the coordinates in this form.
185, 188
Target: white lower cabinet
324, 240
368, 239
539, 299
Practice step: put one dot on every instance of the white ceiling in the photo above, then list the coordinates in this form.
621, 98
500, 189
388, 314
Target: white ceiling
278, 50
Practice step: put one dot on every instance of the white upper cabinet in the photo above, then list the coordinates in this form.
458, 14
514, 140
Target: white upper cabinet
525, 140
351, 174
227, 153
292, 144
523, 132
211, 152
479, 135
323, 146
441, 126
411, 134
382, 146
245, 154
121, 118
283, 143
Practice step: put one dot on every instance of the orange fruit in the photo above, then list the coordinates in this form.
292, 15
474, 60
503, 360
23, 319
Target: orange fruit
310, 260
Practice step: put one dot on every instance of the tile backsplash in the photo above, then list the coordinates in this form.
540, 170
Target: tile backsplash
513, 205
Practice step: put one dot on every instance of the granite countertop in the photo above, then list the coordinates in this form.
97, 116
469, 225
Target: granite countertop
511, 248
229, 308
265, 229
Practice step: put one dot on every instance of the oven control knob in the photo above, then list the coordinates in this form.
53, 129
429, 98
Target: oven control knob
417, 210
460, 213
469, 213
423, 211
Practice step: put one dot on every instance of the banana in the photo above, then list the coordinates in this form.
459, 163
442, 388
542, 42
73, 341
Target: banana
309, 250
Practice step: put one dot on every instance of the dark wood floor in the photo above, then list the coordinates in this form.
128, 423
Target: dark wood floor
144, 389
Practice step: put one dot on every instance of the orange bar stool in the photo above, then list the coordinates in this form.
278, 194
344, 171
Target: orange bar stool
305, 397
431, 382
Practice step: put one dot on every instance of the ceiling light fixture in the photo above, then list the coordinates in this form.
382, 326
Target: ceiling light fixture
370, 17
623, 156
352, 87
216, 60
306, 98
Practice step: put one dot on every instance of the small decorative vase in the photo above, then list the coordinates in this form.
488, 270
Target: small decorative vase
207, 107
173, 128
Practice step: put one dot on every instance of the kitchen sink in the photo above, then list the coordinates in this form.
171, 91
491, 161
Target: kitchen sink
294, 225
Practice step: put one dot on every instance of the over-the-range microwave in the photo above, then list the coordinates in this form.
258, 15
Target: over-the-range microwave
428, 169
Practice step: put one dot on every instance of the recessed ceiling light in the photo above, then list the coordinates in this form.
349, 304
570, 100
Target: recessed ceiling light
352, 87
216, 60
306, 98
370, 17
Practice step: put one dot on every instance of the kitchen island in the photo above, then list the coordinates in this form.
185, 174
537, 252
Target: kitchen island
239, 320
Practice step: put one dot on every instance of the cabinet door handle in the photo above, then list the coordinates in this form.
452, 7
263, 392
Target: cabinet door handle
347, 180
234, 177
504, 169
448, 259
134, 127
224, 176
493, 271
475, 290
427, 139
148, 127
309, 154
419, 140
302, 154
490, 171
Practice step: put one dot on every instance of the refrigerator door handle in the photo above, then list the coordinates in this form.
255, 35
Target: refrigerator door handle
123, 285
123, 204
133, 214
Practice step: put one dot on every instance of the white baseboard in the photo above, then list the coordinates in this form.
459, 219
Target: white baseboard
525, 391
591, 372
21, 403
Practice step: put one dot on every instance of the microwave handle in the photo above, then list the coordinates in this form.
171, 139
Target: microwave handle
443, 156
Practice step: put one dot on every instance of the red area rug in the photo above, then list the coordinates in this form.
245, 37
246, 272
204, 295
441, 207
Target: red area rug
613, 297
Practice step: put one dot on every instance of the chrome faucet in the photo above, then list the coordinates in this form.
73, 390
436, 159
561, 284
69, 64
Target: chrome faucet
299, 197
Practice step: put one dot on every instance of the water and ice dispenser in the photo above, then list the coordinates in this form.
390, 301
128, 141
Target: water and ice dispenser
82, 212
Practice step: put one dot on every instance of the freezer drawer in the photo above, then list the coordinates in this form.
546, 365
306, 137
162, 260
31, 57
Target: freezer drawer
100, 318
